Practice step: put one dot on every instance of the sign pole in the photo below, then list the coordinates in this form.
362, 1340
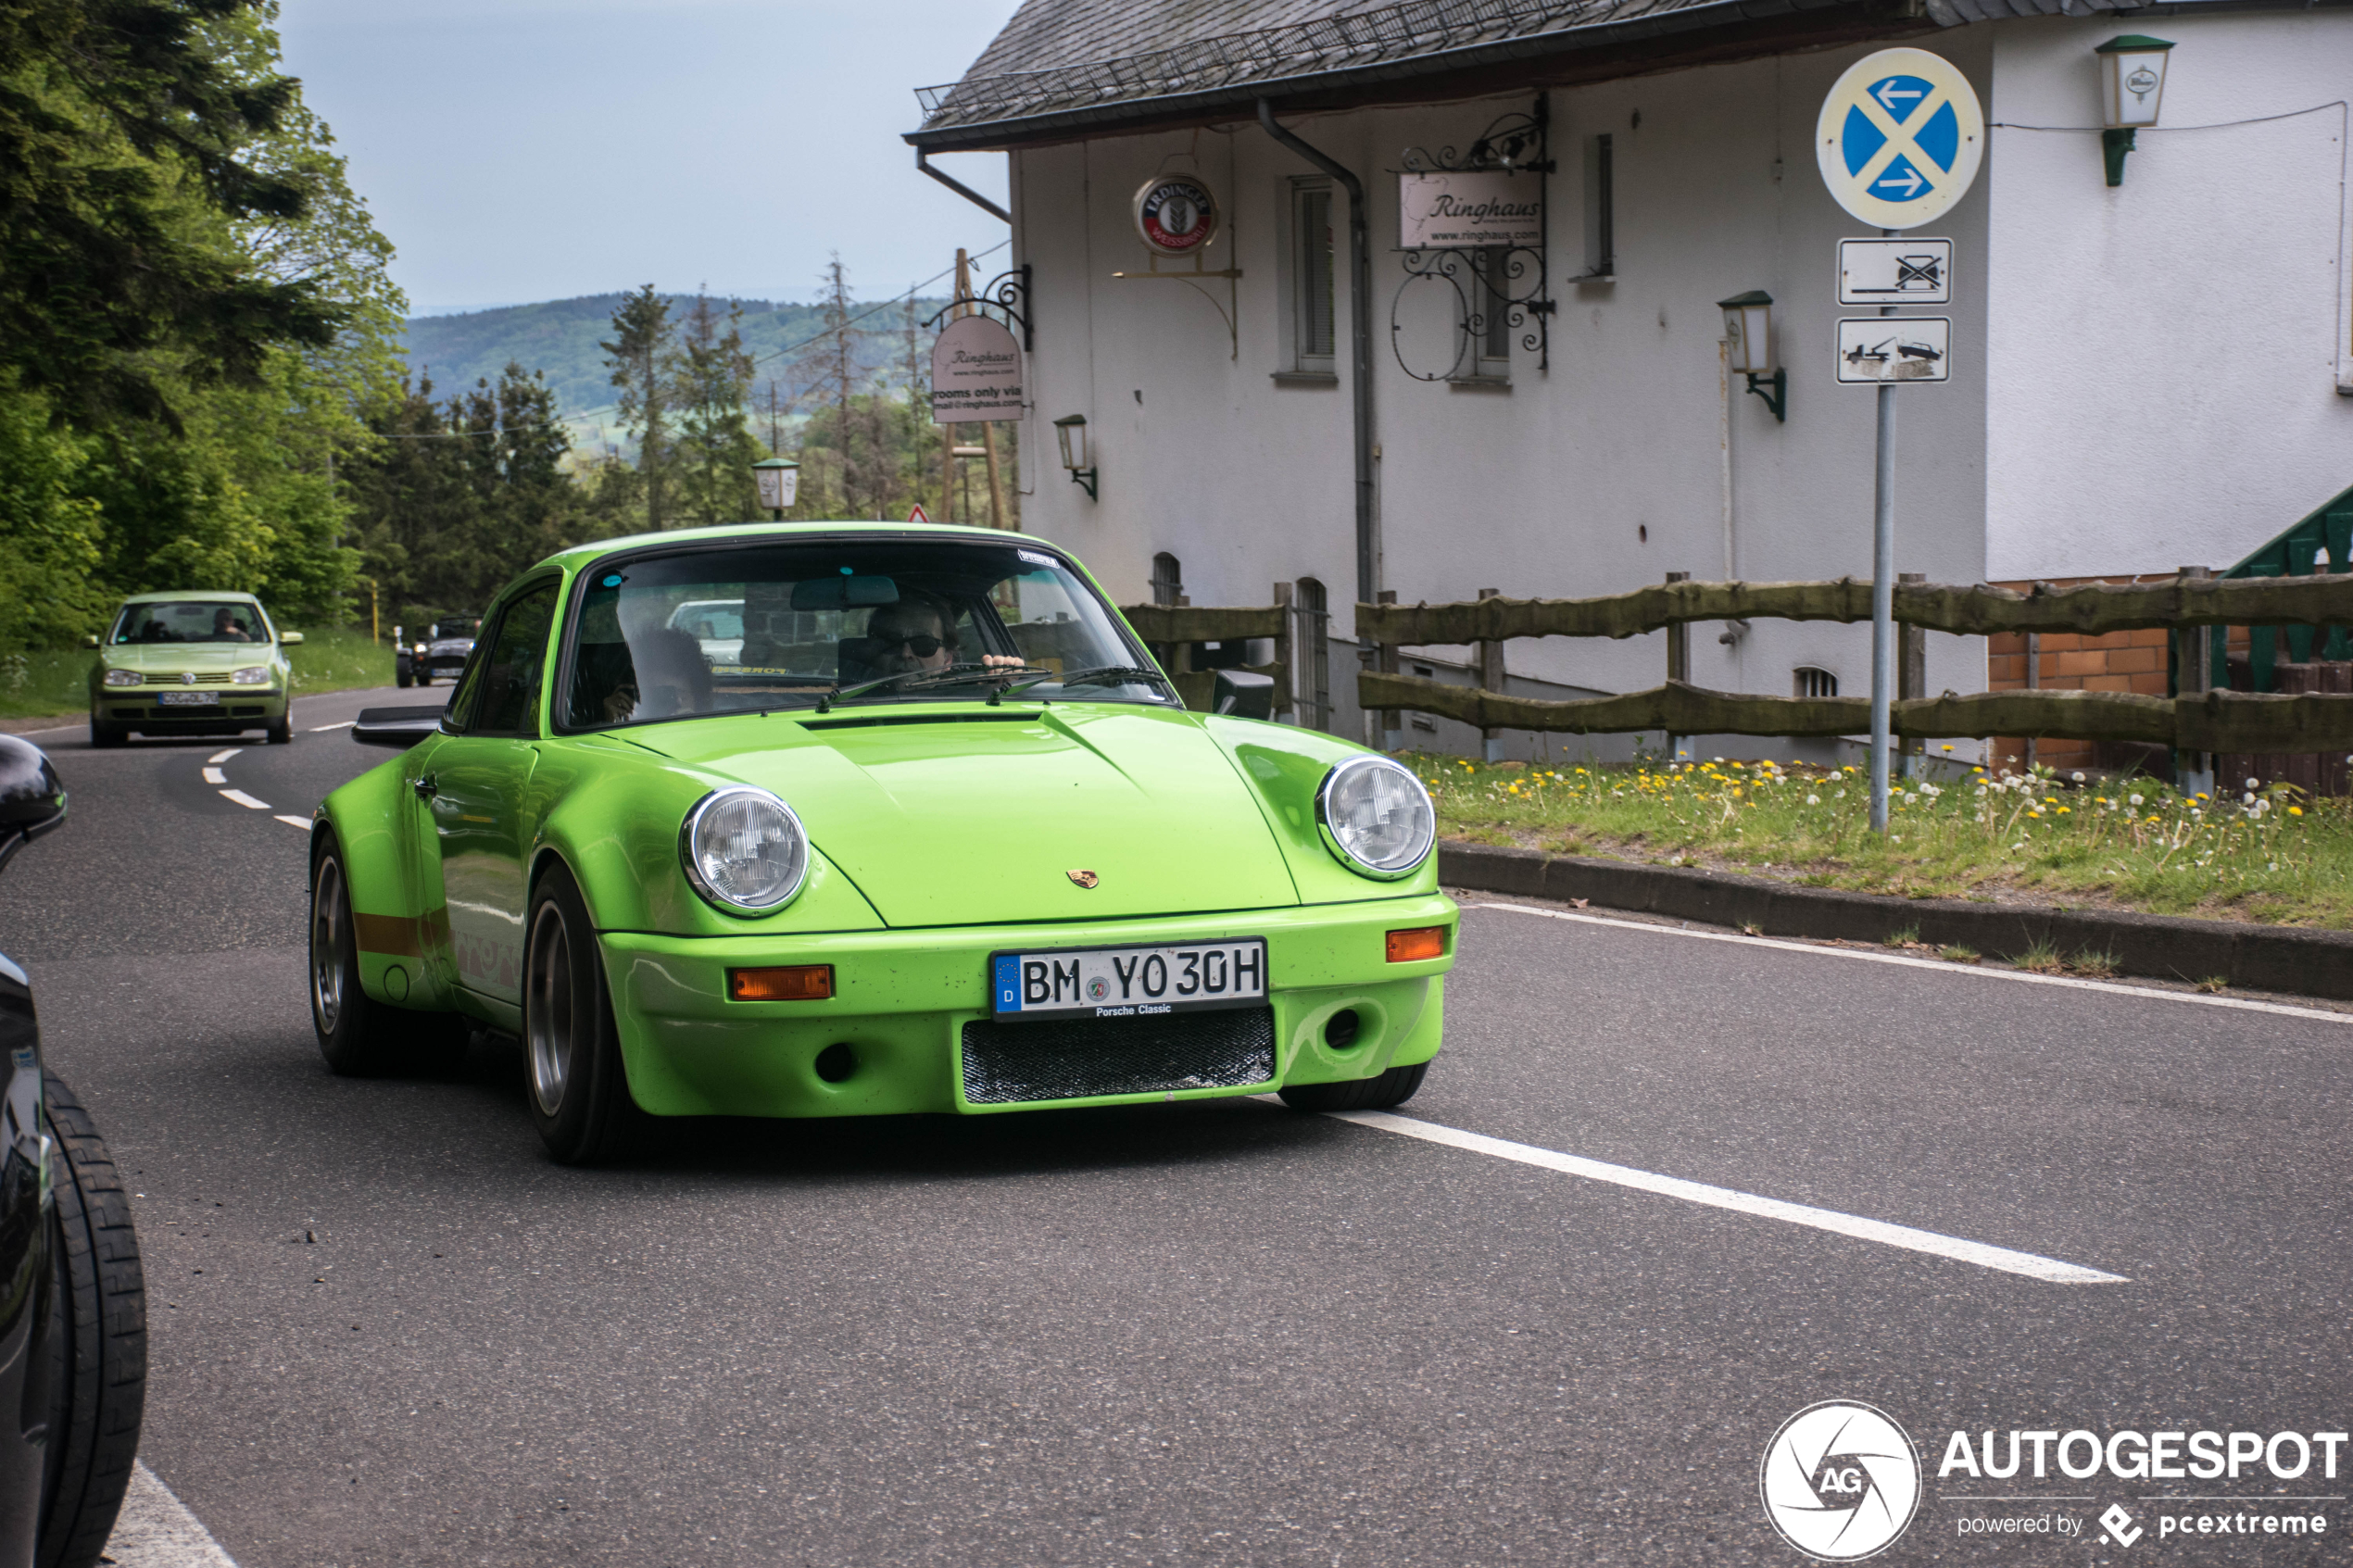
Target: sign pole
1883, 597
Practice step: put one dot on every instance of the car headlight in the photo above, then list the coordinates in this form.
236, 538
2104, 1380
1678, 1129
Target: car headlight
1375, 816
122, 677
743, 851
252, 675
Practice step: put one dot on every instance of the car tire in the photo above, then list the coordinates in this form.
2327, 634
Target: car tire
1393, 1087
400, 674
360, 1036
97, 1337
282, 733
574, 1079
103, 736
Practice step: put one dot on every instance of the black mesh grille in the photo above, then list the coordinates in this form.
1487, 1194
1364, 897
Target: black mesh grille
1081, 1059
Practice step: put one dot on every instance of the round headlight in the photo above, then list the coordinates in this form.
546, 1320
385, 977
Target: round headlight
743, 851
1375, 816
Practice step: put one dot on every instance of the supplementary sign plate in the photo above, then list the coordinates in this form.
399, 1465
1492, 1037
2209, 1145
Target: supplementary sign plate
1904, 272
1900, 137
1876, 350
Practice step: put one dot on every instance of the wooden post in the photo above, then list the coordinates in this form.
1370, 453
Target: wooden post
1679, 665
997, 518
1285, 702
2193, 647
2034, 683
1911, 677
1393, 733
1490, 679
948, 431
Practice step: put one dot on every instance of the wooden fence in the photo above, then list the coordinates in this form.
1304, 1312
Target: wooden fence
2198, 719
1171, 631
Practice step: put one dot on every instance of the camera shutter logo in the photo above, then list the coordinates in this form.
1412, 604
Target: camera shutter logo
1839, 1481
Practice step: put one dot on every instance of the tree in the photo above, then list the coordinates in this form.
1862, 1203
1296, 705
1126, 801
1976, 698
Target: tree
829, 372
711, 377
636, 352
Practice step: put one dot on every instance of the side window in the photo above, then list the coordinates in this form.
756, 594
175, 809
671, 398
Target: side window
1600, 210
1313, 340
504, 684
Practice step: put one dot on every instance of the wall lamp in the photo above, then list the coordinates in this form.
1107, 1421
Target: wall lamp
2132, 87
1071, 430
1748, 329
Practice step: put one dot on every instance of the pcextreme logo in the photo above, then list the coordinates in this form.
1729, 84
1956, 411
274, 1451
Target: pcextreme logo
1839, 1481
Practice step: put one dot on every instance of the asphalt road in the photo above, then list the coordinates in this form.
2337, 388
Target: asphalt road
1217, 1333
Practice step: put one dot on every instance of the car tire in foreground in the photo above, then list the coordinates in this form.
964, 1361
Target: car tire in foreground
577, 1083
1392, 1087
104, 735
282, 733
98, 1341
359, 1036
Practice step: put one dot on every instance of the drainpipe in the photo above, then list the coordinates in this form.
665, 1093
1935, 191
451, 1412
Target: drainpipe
962, 190
1360, 332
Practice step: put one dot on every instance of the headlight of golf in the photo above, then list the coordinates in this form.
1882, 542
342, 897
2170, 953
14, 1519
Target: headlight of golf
252, 675
1375, 816
743, 851
122, 677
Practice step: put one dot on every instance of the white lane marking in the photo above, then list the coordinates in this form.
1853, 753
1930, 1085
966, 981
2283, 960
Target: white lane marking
220, 756
322, 729
215, 776
156, 1530
1881, 1230
1940, 965
302, 822
247, 801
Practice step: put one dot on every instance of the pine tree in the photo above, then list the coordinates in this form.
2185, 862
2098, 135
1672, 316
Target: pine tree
711, 377
827, 371
637, 353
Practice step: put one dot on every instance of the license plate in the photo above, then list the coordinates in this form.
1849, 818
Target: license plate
189, 699
1127, 982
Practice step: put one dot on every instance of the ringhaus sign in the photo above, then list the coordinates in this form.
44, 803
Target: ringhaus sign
975, 372
1463, 208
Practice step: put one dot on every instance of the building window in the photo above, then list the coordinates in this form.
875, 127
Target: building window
1312, 275
1168, 579
1811, 681
1601, 209
1312, 654
1492, 313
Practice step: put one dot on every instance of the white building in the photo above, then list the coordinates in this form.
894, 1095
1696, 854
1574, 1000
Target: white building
2143, 376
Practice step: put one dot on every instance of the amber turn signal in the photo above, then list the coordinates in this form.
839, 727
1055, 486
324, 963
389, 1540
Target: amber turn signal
1413, 947
800, 983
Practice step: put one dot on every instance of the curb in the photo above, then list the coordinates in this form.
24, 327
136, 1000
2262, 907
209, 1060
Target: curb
2256, 958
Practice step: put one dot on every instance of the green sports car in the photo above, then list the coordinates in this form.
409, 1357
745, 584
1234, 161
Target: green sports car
927, 830
191, 663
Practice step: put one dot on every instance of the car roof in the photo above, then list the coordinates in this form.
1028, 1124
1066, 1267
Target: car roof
227, 595
580, 554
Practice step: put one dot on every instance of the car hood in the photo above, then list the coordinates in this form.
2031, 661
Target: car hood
974, 815
166, 658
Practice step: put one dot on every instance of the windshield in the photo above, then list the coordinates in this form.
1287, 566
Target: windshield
790, 623
191, 621
463, 630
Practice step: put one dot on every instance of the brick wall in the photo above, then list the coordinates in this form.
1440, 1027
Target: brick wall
2117, 661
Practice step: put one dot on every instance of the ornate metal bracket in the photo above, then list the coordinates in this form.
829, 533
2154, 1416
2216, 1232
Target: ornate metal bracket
1006, 297
1517, 282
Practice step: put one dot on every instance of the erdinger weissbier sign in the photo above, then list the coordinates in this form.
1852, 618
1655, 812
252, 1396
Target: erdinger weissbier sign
975, 372
1463, 209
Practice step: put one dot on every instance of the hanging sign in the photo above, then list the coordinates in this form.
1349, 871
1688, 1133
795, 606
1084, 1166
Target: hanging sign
975, 372
1900, 137
1175, 215
1461, 209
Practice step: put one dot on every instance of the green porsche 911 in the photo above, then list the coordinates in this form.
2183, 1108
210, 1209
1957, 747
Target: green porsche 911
925, 829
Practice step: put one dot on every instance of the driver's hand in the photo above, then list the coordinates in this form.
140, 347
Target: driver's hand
621, 703
1001, 662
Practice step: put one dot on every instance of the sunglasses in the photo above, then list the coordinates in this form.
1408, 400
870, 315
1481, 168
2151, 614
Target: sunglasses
922, 646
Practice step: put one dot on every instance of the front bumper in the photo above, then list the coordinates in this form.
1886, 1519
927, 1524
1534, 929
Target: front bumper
902, 997
239, 708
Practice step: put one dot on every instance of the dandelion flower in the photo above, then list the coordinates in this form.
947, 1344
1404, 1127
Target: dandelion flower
2077, 777
2136, 799
1813, 800
2255, 784
2296, 810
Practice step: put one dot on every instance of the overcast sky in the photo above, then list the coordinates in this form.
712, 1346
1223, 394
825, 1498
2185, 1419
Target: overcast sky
521, 150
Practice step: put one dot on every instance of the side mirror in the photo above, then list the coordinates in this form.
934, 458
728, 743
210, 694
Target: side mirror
289, 639
32, 798
90, 640
1243, 694
399, 728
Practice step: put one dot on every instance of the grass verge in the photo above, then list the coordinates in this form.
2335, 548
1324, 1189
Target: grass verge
2271, 856
41, 685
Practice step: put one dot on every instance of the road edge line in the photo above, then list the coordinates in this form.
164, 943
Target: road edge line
157, 1530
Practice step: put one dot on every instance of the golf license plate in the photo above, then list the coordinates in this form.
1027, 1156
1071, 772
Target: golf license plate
1127, 982
189, 699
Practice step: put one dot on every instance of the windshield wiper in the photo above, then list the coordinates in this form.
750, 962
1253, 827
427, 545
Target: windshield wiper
1108, 672
952, 675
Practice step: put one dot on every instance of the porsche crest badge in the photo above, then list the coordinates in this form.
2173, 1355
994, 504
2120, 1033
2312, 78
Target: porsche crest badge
1084, 878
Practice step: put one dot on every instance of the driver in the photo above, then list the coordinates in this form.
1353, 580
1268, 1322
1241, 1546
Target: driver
916, 634
225, 628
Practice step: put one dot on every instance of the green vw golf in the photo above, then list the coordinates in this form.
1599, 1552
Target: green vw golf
191, 663
925, 830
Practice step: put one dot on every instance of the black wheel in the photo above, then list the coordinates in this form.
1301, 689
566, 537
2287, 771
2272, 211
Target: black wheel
104, 735
98, 1340
580, 1099
424, 677
400, 673
359, 1036
1392, 1087
282, 733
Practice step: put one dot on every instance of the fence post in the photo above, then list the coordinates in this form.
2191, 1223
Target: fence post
1490, 679
2193, 676
1285, 701
1392, 731
1679, 667
1911, 678
2034, 684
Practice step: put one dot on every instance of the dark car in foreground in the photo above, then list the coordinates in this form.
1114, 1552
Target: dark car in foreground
73, 1314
